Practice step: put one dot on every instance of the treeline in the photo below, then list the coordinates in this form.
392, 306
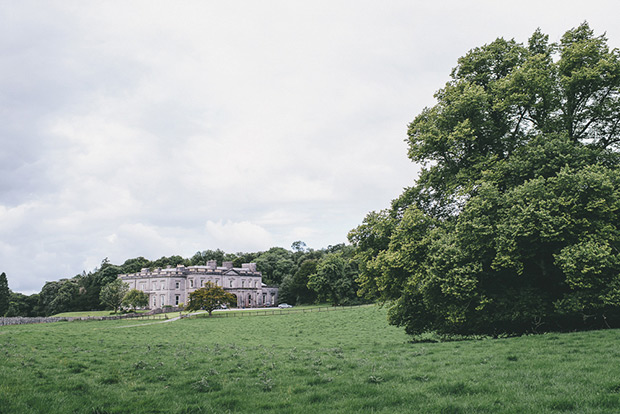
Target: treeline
304, 276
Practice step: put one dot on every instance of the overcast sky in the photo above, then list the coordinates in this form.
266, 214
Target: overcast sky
151, 128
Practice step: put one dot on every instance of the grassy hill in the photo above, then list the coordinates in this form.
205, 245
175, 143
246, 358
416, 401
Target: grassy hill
344, 362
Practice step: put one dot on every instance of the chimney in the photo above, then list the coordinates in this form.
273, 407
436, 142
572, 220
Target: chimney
249, 266
227, 265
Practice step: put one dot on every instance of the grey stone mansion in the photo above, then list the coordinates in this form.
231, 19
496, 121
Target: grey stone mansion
172, 286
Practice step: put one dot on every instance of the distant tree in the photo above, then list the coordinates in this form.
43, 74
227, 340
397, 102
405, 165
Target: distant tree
172, 261
65, 298
4, 294
294, 288
334, 280
201, 258
21, 305
242, 257
298, 246
113, 293
90, 285
108, 272
46, 297
209, 298
275, 264
136, 299
303, 294
135, 265
286, 293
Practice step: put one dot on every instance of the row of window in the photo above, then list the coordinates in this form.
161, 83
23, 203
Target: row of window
177, 284
217, 283
177, 300
202, 283
162, 300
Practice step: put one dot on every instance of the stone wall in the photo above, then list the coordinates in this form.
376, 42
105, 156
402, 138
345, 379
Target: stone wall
20, 320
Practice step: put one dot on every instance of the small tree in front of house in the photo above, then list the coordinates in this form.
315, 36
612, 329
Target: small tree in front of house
113, 293
209, 298
136, 299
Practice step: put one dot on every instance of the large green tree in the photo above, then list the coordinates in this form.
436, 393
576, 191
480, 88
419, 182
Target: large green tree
512, 225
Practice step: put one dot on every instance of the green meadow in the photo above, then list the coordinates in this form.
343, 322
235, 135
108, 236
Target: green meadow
348, 361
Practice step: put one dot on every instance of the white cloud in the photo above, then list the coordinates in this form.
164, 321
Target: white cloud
238, 236
155, 129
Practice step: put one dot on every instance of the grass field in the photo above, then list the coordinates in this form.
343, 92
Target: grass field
102, 313
218, 312
348, 361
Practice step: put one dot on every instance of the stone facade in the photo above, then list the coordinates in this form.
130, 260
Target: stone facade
172, 286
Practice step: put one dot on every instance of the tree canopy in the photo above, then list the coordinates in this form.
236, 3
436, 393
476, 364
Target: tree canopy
113, 293
5, 295
334, 278
135, 298
209, 298
512, 225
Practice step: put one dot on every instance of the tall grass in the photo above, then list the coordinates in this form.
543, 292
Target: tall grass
341, 362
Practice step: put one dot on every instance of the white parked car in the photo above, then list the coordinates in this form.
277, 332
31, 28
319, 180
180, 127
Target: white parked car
284, 305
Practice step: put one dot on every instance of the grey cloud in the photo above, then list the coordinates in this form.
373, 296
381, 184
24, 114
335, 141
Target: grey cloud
150, 129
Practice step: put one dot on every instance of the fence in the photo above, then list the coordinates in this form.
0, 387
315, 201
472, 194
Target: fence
271, 312
158, 314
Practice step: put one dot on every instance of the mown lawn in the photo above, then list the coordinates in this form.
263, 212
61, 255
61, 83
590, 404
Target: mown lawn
346, 361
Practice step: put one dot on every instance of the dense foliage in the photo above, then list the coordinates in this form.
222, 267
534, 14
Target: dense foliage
4, 294
135, 298
334, 279
113, 293
513, 223
289, 269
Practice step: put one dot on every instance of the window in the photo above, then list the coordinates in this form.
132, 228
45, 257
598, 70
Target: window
177, 285
202, 282
243, 283
191, 283
217, 282
161, 300
143, 286
176, 300
231, 283
154, 285
154, 302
